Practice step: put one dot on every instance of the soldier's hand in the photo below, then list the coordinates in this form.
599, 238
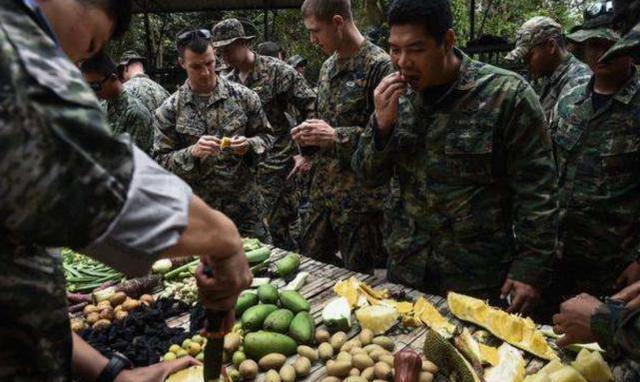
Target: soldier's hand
206, 146
386, 98
231, 276
314, 132
157, 372
301, 165
630, 275
574, 320
523, 296
630, 296
239, 145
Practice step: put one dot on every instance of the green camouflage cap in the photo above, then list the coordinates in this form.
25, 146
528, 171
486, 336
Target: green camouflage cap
599, 33
533, 32
130, 55
297, 60
227, 31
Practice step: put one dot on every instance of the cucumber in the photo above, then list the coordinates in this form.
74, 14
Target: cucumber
294, 301
278, 321
253, 318
268, 294
257, 345
302, 328
258, 255
288, 265
246, 301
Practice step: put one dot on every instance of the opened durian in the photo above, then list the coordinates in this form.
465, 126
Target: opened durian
566, 374
592, 366
510, 367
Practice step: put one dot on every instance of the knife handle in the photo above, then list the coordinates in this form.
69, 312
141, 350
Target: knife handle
215, 322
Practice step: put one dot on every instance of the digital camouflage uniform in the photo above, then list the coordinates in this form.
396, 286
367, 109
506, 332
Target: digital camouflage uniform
57, 159
617, 330
476, 180
279, 87
345, 215
226, 182
126, 114
151, 93
598, 155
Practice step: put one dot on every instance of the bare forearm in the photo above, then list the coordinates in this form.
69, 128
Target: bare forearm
87, 362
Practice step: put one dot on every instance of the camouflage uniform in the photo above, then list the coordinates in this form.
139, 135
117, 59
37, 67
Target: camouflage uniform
151, 93
126, 114
64, 180
570, 73
344, 214
476, 181
227, 181
598, 153
279, 87
617, 330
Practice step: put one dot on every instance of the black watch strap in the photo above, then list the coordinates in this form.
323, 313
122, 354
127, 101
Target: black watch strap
116, 364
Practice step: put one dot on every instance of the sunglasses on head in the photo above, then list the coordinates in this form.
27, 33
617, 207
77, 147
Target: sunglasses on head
186, 37
96, 86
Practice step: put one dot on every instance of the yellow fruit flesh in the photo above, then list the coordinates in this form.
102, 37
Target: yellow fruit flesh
593, 367
377, 318
566, 374
510, 367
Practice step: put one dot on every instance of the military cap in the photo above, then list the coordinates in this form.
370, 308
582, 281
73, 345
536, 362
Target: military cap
297, 60
583, 35
227, 31
535, 31
130, 55
268, 48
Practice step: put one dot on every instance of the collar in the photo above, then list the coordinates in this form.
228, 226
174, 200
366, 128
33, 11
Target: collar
258, 65
220, 92
561, 68
350, 64
38, 16
624, 95
141, 75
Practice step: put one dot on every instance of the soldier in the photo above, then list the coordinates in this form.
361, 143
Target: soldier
596, 134
271, 49
541, 46
125, 113
468, 145
345, 215
68, 182
138, 83
279, 88
299, 63
213, 133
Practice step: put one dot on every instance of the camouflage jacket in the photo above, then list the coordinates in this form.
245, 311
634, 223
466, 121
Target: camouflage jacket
617, 330
569, 74
345, 101
598, 156
151, 93
230, 110
476, 177
279, 87
126, 114
64, 180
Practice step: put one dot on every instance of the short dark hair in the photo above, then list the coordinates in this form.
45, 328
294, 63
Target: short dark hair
268, 48
197, 45
435, 15
100, 63
325, 9
119, 10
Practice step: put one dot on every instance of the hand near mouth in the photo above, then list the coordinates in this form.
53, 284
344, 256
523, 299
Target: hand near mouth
386, 98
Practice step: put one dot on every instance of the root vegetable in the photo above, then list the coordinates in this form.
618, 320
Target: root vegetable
248, 369
117, 298
288, 373
101, 324
302, 366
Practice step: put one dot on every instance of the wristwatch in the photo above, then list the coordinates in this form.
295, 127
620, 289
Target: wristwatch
117, 363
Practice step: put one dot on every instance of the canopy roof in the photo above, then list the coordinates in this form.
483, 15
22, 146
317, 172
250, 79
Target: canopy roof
166, 6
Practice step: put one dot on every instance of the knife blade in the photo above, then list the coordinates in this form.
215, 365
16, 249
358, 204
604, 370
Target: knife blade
214, 332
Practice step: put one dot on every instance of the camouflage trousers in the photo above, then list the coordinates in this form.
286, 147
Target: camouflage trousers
244, 207
357, 236
281, 202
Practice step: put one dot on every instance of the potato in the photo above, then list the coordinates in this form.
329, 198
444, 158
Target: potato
355, 351
330, 379
78, 325
272, 361
337, 340
322, 336
302, 366
386, 358
107, 314
121, 315
429, 366
355, 378
376, 354
367, 374
232, 342
385, 342
288, 373
382, 371
362, 361
147, 299
338, 368
90, 309
354, 343
272, 376
104, 304
365, 337
92, 318
425, 376
373, 347
194, 349
117, 298
101, 324
354, 372
130, 304
308, 352
325, 351
248, 369
344, 356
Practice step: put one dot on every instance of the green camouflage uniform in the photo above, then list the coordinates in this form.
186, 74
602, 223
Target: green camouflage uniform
617, 330
126, 114
227, 181
151, 93
279, 87
476, 180
57, 160
345, 215
598, 155
569, 74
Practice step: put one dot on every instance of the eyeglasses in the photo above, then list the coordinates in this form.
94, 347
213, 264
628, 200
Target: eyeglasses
598, 9
96, 86
186, 37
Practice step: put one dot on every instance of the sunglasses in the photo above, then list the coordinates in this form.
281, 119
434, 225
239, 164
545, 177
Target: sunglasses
186, 37
598, 9
96, 86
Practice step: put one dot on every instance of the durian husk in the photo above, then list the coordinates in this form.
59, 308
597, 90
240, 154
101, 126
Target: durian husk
448, 358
